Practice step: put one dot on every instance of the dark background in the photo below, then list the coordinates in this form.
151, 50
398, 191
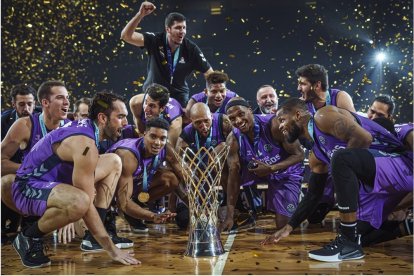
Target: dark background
254, 42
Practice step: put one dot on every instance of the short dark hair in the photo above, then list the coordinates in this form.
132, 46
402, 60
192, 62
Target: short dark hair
82, 100
174, 16
385, 99
157, 122
314, 73
291, 104
22, 89
160, 93
45, 89
102, 102
216, 77
386, 123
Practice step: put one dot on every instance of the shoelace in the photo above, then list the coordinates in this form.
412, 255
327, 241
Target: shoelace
38, 247
335, 243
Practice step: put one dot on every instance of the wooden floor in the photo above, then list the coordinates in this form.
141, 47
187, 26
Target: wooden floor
161, 251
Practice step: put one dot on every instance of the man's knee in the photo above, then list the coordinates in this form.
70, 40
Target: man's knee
78, 205
6, 190
170, 180
116, 163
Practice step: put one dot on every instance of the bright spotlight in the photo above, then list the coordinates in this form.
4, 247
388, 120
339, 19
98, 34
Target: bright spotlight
380, 57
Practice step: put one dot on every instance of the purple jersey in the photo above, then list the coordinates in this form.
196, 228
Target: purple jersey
265, 149
136, 146
43, 164
215, 137
284, 186
325, 144
394, 173
171, 111
402, 131
331, 97
38, 131
202, 98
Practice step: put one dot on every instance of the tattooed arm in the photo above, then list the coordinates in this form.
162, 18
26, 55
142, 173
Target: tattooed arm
342, 125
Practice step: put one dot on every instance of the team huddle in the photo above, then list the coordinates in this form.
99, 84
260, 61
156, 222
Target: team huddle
71, 175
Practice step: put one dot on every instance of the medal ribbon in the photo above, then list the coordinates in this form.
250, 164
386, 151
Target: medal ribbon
171, 63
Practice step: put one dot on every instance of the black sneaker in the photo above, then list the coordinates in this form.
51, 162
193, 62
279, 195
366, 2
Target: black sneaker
31, 251
110, 226
120, 242
245, 221
340, 249
89, 243
139, 227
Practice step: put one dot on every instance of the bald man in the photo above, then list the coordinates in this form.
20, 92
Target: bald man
206, 130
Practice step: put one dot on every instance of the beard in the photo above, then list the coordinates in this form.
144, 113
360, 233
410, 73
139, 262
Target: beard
294, 133
311, 96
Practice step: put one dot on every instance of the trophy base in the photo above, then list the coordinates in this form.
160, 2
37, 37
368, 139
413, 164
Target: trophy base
204, 249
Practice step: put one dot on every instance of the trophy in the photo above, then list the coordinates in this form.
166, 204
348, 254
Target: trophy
202, 173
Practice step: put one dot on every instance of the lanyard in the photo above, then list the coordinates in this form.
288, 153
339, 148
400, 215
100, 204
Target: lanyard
327, 101
43, 126
310, 127
96, 129
146, 180
208, 140
171, 63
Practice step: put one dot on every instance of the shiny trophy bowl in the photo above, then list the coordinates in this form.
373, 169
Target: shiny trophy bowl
202, 173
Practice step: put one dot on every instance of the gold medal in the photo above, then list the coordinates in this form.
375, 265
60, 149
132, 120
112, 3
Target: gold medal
143, 197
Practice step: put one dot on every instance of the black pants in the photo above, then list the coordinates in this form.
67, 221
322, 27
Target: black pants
348, 166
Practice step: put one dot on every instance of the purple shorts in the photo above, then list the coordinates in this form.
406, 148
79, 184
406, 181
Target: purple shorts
283, 196
393, 180
30, 196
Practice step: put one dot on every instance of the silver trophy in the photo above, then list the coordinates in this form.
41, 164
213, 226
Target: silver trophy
202, 173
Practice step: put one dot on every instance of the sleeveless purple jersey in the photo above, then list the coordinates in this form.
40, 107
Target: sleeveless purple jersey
36, 132
42, 164
172, 110
266, 150
189, 134
136, 146
325, 144
202, 98
394, 173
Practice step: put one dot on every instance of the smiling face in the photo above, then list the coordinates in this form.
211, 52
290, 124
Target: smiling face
289, 126
57, 104
378, 110
151, 108
202, 123
176, 33
116, 121
267, 100
241, 117
216, 93
155, 140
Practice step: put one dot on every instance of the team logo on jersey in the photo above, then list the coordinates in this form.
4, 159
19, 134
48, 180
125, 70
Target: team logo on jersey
268, 148
213, 143
182, 60
322, 140
290, 207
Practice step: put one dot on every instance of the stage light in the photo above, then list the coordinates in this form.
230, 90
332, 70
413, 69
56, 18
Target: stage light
380, 57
